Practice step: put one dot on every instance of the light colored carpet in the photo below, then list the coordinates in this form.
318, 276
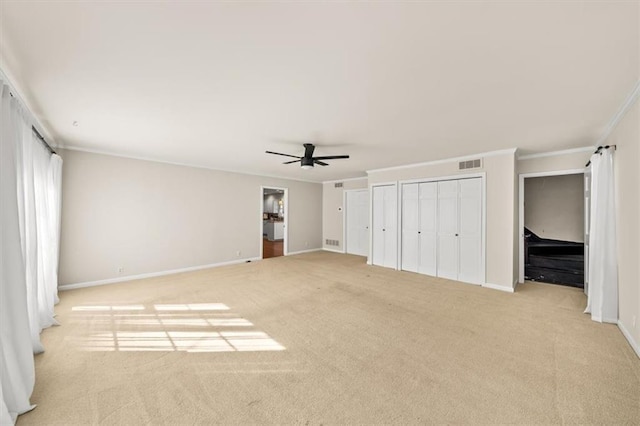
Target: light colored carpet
324, 338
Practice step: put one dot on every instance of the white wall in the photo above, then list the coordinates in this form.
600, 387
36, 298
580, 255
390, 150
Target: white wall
554, 206
501, 245
627, 179
332, 218
150, 217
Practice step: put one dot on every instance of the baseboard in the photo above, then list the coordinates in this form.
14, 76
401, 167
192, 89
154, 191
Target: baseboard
634, 345
498, 287
153, 274
291, 253
332, 250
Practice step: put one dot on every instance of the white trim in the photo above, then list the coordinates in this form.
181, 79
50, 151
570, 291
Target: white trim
65, 287
521, 178
332, 250
173, 163
624, 108
556, 153
345, 180
634, 345
447, 160
293, 253
498, 287
441, 178
285, 250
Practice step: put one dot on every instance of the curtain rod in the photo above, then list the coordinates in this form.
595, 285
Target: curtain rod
599, 149
40, 138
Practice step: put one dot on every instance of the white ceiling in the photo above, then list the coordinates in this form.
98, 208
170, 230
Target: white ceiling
390, 83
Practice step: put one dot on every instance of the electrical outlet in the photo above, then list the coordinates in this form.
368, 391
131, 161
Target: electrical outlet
306, 243
120, 269
238, 253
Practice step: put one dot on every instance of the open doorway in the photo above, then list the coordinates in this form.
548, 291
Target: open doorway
553, 228
274, 216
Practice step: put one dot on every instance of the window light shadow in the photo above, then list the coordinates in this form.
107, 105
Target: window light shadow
195, 327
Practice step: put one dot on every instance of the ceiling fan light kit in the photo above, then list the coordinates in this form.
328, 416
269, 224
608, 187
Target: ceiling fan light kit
308, 161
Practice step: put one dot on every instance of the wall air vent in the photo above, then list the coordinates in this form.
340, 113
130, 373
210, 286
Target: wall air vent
332, 242
470, 164
338, 185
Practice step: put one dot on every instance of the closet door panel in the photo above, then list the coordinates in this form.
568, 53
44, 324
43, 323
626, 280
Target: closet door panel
470, 234
362, 201
390, 226
447, 263
410, 227
428, 228
378, 226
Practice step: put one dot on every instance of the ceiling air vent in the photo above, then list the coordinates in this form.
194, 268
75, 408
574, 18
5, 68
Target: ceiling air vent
338, 185
470, 164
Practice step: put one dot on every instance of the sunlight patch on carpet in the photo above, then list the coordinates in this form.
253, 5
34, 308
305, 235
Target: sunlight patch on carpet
192, 327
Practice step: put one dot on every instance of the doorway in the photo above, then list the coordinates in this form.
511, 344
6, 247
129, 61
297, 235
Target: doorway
553, 227
356, 221
273, 221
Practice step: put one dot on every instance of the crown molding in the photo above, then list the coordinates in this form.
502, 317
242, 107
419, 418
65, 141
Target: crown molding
173, 163
18, 93
631, 99
346, 180
447, 160
556, 153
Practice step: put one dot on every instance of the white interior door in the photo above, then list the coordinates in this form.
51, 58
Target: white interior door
385, 232
357, 226
447, 254
428, 232
470, 231
378, 225
410, 227
390, 226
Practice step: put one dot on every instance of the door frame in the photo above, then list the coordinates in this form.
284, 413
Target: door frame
285, 249
521, 178
345, 206
371, 186
483, 245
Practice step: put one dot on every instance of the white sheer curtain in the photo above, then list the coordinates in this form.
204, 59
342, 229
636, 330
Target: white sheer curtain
602, 294
45, 192
29, 243
17, 373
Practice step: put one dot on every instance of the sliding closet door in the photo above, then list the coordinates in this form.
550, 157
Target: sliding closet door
470, 231
410, 227
428, 232
385, 228
448, 229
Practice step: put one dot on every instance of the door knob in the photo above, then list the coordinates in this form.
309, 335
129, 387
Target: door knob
456, 235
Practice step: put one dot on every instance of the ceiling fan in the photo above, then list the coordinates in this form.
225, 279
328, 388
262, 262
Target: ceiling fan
308, 161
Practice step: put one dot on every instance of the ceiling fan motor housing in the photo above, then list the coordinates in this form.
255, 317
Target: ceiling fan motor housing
306, 161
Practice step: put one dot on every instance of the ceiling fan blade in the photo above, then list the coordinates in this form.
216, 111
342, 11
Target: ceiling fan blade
290, 162
279, 153
308, 150
331, 157
319, 162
